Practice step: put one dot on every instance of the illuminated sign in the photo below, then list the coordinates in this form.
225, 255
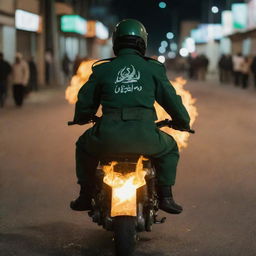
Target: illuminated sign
227, 22
198, 35
101, 31
73, 23
27, 21
206, 32
240, 15
252, 14
189, 44
214, 31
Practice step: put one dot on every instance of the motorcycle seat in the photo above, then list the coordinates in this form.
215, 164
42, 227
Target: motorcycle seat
124, 158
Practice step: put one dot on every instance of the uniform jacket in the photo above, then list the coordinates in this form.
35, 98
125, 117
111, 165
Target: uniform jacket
127, 88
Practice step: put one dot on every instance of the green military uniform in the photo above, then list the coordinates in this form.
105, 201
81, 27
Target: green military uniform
127, 88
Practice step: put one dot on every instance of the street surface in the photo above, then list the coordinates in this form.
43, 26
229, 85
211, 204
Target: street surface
215, 183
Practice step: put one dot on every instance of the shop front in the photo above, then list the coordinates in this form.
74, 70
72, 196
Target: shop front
7, 36
72, 39
28, 27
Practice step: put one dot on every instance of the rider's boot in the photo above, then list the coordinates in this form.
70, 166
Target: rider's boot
166, 201
83, 202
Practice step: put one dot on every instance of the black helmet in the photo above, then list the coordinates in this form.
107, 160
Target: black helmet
130, 33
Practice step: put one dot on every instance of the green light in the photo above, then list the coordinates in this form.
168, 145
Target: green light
73, 23
162, 5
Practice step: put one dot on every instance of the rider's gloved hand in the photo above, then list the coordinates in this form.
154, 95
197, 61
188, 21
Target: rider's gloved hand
177, 126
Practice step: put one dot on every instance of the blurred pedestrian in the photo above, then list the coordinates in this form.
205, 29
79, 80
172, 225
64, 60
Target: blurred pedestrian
221, 64
237, 67
48, 66
246, 64
5, 70
253, 69
32, 83
225, 65
76, 64
228, 68
202, 66
20, 77
66, 67
191, 68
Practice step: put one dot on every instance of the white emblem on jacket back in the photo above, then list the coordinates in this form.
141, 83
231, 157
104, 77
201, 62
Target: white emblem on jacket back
125, 80
127, 75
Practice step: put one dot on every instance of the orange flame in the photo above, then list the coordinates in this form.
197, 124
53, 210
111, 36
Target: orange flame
124, 188
189, 102
78, 80
85, 70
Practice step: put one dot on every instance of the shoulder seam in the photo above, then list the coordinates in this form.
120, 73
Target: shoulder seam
102, 60
153, 60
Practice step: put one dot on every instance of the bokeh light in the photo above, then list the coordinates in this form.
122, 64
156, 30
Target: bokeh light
184, 52
171, 55
162, 5
170, 35
162, 49
173, 47
161, 58
164, 43
215, 9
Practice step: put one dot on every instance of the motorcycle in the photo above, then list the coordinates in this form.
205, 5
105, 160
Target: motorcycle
125, 199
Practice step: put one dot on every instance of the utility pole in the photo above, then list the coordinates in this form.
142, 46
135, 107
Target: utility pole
228, 4
210, 13
52, 40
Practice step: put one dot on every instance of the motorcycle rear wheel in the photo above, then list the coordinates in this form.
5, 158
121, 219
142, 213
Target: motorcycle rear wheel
124, 235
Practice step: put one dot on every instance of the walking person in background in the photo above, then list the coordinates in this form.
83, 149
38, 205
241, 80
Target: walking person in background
253, 69
237, 67
66, 68
20, 77
191, 67
221, 64
225, 68
48, 66
203, 63
5, 70
76, 64
246, 64
228, 68
32, 83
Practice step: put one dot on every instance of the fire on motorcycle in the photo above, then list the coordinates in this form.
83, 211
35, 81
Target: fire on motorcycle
125, 165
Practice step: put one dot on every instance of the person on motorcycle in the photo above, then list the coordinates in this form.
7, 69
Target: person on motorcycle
127, 87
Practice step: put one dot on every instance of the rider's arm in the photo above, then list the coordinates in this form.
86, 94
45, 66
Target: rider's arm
166, 96
88, 100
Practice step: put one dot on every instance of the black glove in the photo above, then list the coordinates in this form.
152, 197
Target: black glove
177, 126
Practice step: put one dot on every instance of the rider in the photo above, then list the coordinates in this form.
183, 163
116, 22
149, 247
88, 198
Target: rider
127, 87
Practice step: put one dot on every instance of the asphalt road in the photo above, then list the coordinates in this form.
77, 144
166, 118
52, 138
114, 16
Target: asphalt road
215, 183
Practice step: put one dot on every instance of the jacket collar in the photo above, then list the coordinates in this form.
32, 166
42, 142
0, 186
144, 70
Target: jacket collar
127, 51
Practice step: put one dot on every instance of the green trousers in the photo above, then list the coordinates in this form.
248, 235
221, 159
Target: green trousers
166, 165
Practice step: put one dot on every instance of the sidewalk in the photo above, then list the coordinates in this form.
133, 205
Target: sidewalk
42, 96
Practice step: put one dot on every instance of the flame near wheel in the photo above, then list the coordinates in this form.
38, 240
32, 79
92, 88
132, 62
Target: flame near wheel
124, 186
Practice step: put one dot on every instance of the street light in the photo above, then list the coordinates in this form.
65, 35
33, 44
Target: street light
161, 58
162, 5
164, 43
171, 55
173, 47
215, 9
184, 52
170, 35
162, 49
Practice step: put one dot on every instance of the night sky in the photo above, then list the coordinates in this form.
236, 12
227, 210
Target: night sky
160, 21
